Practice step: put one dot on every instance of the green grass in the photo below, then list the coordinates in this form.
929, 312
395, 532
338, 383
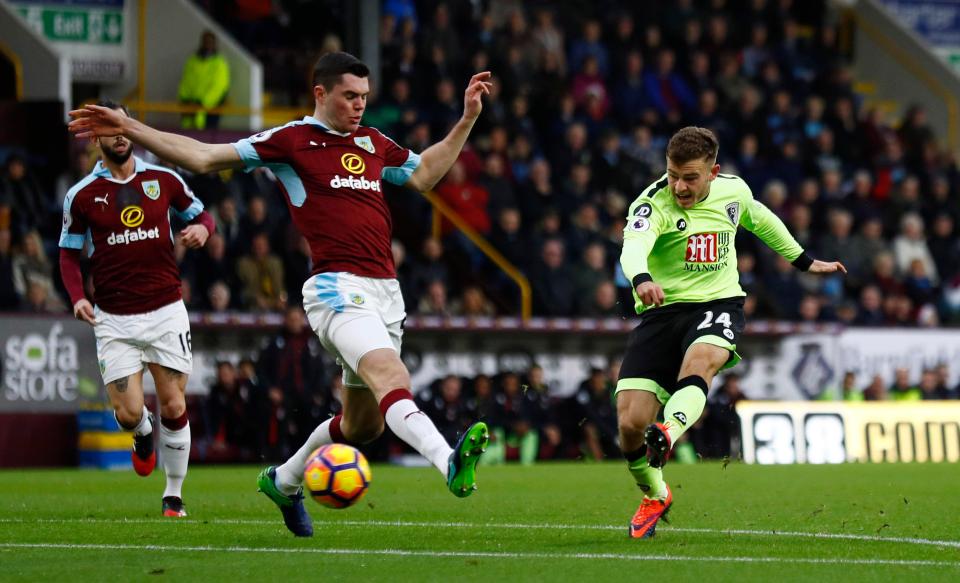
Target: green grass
548, 522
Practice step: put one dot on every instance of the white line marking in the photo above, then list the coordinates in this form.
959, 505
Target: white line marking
478, 554
511, 526
825, 535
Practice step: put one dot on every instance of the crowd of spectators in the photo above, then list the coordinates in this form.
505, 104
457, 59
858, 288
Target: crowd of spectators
933, 384
582, 104
262, 408
28, 223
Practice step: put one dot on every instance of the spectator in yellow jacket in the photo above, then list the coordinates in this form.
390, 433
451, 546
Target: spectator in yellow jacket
902, 389
205, 82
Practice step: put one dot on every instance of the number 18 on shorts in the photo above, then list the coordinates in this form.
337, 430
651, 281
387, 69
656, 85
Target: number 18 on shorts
125, 343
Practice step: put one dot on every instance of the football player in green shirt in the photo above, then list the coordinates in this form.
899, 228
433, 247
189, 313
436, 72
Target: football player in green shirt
679, 254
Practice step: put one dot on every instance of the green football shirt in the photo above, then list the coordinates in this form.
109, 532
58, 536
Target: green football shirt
690, 252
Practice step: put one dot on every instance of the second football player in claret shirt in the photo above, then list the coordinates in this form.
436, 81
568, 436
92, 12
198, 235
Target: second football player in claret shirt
120, 214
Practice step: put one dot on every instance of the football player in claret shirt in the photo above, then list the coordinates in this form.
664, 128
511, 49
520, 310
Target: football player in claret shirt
331, 170
678, 251
121, 213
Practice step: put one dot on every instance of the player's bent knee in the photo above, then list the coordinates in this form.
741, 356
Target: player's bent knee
172, 404
630, 424
383, 371
173, 409
704, 360
385, 384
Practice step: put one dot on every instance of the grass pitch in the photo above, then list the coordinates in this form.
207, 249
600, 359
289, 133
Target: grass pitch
557, 522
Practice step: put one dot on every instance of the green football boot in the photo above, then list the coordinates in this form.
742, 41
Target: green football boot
295, 516
462, 469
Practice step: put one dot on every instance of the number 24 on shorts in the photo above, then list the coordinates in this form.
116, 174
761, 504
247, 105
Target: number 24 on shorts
723, 319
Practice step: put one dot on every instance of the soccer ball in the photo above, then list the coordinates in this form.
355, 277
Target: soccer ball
337, 475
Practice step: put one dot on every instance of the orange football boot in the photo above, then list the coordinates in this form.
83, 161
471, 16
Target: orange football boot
651, 510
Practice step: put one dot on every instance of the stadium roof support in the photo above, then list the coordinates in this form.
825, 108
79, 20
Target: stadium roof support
370, 39
440, 208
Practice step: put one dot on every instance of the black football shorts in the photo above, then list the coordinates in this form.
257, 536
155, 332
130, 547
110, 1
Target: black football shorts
655, 348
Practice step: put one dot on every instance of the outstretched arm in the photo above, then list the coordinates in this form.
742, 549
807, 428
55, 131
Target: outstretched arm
95, 121
763, 223
826, 267
436, 160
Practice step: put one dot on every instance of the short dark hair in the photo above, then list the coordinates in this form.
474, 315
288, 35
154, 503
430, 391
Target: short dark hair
331, 67
111, 104
692, 143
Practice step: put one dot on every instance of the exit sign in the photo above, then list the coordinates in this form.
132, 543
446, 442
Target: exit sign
79, 26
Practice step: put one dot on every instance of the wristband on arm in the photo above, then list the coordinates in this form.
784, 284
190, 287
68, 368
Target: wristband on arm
641, 278
803, 262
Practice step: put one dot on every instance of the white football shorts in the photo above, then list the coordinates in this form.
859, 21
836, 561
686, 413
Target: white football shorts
353, 315
126, 342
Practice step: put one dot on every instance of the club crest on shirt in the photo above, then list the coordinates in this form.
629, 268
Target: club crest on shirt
151, 188
364, 142
357, 299
733, 213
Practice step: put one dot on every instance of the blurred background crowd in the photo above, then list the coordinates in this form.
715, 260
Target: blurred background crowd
585, 96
